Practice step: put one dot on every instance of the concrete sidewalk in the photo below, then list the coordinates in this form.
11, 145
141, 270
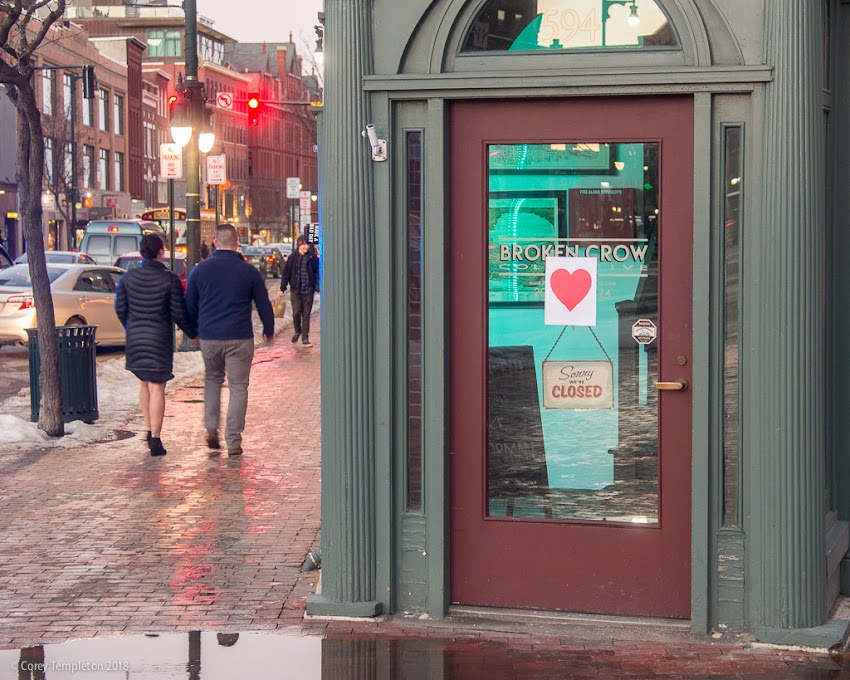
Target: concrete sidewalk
104, 540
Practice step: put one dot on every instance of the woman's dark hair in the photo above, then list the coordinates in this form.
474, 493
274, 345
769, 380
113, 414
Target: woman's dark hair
150, 247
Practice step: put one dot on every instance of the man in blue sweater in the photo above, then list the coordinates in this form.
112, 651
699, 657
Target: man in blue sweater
218, 299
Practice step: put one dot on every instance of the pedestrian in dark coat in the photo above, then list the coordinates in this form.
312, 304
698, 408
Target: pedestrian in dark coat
301, 274
148, 301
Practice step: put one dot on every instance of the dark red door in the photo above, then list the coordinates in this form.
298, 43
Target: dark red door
571, 435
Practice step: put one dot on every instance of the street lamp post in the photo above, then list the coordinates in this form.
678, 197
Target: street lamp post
196, 99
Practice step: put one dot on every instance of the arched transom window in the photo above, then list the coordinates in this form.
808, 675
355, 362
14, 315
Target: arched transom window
532, 25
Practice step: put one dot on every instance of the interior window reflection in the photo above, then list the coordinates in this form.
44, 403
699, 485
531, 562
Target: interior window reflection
530, 25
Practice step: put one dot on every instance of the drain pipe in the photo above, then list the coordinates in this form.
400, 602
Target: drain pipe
313, 561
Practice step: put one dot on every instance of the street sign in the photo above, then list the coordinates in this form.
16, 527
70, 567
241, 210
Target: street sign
305, 205
224, 100
216, 169
170, 161
293, 187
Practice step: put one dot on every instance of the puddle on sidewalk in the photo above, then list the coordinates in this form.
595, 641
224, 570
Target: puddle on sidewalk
269, 656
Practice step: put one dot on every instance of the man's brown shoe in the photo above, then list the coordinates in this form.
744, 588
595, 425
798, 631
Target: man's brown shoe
235, 452
212, 439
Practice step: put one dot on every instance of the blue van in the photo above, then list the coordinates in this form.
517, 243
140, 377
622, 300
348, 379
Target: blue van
107, 240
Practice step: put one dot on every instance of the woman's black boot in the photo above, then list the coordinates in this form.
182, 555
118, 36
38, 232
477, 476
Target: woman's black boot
157, 449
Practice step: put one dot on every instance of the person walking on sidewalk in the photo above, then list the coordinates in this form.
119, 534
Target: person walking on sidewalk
219, 294
301, 274
148, 300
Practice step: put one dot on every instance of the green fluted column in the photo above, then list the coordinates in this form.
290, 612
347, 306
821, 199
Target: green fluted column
787, 340
348, 320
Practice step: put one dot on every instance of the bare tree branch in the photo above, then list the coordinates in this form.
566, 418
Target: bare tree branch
12, 12
55, 14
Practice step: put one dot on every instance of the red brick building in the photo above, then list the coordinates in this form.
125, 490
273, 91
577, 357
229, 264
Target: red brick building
106, 130
259, 159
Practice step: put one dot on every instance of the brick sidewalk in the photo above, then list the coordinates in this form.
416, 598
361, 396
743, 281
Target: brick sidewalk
107, 540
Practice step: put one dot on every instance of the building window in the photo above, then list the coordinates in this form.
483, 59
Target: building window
48, 161
118, 114
150, 132
103, 169
211, 50
103, 110
414, 321
88, 167
47, 92
88, 112
66, 95
502, 26
162, 43
119, 171
68, 163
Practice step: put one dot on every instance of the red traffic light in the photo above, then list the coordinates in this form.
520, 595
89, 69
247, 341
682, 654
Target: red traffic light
254, 106
172, 105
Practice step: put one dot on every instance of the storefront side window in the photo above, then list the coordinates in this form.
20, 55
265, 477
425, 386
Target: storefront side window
414, 320
733, 188
532, 25
572, 404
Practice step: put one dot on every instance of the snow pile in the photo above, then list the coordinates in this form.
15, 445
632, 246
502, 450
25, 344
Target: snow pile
18, 431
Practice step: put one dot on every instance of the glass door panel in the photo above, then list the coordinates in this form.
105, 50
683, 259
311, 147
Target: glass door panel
572, 410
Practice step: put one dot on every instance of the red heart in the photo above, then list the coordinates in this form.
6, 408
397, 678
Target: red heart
571, 288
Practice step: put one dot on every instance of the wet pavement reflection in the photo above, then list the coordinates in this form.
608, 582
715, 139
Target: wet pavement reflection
218, 656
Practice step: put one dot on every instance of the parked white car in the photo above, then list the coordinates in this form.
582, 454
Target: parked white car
82, 294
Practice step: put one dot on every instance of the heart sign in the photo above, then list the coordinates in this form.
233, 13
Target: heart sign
570, 291
571, 287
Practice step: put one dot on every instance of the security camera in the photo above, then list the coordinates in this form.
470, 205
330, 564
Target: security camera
371, 134
379, 146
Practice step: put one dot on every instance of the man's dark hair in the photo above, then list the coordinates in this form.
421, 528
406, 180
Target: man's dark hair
226, 235
150, 246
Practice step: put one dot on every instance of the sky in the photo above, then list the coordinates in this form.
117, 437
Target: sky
267, 20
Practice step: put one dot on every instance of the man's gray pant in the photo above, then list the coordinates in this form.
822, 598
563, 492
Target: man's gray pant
231, 358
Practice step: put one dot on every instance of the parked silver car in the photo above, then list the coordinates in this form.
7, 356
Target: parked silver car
284, 248
60, 257
82, 294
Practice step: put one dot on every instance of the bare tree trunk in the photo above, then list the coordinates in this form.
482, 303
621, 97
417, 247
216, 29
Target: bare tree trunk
30, 177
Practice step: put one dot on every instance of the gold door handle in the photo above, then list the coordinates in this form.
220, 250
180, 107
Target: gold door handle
679, 385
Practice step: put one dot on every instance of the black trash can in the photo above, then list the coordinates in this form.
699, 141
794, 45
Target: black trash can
78, 366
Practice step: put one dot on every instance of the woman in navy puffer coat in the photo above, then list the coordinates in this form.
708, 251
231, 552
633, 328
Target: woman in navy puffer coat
148, 300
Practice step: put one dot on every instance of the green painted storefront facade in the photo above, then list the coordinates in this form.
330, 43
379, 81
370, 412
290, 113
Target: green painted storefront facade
775, 71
